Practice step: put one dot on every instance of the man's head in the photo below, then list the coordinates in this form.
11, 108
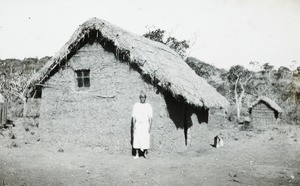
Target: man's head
143, 97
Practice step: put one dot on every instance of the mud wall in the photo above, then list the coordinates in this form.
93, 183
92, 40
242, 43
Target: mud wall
262, 114
100, 116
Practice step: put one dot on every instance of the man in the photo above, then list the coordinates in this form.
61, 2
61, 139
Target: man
142, 122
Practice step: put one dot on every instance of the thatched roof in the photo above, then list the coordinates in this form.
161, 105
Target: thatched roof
156, 60
267, 101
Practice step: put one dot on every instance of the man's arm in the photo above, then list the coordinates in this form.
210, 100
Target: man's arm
133, 115
134, 122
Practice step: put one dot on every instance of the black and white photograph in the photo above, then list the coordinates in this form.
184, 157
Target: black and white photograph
160, 92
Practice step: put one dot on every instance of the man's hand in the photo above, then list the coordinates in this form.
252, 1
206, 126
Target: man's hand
134, 128
134, 124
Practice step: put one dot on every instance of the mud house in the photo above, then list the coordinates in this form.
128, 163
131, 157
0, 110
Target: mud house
88, 88
264, 111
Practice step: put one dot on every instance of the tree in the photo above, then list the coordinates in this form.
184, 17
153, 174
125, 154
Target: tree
199, 67
178, 46
296, 74
156, 35
238, 77
14, 75
254, 66
283, 73
267, 68
13, 84
291, 99
293, 65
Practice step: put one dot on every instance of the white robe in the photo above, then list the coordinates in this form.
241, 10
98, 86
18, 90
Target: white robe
141, 136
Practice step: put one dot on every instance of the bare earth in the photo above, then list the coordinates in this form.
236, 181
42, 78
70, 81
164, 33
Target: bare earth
269, 156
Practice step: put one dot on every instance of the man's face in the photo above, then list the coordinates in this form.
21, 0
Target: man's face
143, 98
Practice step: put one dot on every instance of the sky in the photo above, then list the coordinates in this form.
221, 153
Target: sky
221, 32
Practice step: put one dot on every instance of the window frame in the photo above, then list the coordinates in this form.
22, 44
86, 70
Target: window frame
83, 78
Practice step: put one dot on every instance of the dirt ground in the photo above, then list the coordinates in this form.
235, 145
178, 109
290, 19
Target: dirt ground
265, 156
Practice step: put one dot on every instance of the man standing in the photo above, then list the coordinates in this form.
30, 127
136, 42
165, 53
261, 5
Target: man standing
142, 122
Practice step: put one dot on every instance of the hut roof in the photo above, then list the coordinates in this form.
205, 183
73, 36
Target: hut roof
267, 101
163, 65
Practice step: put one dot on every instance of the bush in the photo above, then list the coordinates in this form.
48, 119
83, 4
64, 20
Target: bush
292, 115
15, 109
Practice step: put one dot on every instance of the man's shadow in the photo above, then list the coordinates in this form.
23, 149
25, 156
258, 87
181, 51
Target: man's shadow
133, 152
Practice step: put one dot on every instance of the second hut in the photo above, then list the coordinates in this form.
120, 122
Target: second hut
264, 111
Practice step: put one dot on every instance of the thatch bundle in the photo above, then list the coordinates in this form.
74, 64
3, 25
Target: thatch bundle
163, 65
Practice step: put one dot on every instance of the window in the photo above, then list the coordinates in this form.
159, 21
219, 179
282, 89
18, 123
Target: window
83, 78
